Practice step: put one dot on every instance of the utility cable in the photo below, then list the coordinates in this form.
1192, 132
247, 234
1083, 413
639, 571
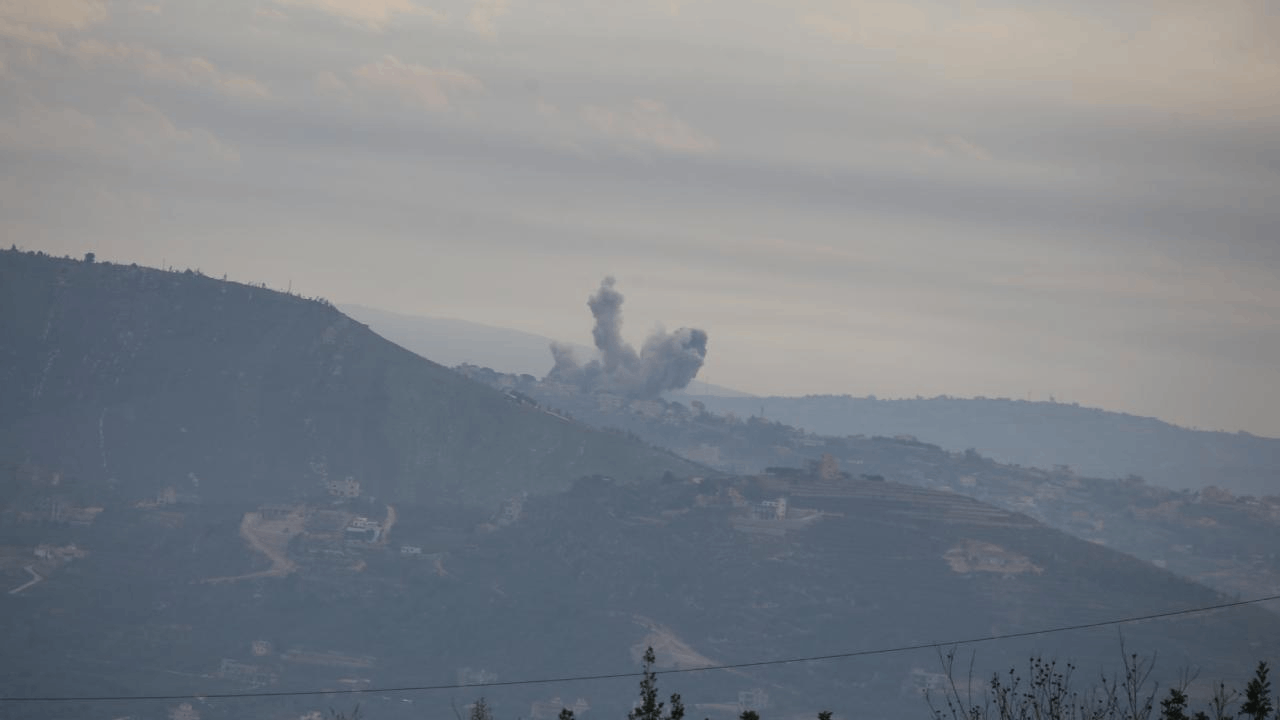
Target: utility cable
633, 674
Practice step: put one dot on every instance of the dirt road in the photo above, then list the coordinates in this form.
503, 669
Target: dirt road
35, 578
269, 538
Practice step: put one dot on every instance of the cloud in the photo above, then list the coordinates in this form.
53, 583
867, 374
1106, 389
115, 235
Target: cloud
369, 14
269, 14
53, 15
135, 133
483, 14
33, 125
432, 89
647, 122
329, 85
946, 147
1179, 54
36, 23
189, 71
144, 126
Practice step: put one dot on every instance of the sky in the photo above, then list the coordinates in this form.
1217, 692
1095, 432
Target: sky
1044, 198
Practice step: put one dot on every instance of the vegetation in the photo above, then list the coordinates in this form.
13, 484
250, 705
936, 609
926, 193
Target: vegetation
1038, 434
1048, 692
129, 379
650, 708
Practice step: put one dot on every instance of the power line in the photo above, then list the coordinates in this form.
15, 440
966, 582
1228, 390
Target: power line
678, 671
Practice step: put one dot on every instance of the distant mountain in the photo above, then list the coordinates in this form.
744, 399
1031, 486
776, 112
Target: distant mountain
1090, 441
457, 342
132, 381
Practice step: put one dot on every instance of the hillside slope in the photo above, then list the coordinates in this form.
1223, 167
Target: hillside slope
1224, 540
132, 381
1092, 442
579, 583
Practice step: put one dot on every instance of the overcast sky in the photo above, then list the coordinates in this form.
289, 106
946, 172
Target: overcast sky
1074, 198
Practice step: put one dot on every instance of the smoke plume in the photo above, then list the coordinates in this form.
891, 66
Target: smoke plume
666, 361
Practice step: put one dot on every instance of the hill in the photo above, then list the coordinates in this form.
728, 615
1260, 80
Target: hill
715, 571
214, 488
123, 381
1222, 539
1092, 442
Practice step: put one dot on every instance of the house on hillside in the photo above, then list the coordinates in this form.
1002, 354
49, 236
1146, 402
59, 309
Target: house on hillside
185, 711
347, 488
362, 529
770, 509
275, 512
511, 510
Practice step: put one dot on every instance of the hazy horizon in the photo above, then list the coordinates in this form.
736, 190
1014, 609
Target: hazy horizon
1067, 200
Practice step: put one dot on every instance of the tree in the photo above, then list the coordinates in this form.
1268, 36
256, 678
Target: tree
1257, 695
749, 715
480, 711
650, 708
1174, 707
1221, 702
1048, 692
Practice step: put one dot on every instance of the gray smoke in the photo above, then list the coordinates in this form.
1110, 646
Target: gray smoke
666, 361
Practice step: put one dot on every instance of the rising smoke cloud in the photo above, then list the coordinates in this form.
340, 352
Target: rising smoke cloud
666, 361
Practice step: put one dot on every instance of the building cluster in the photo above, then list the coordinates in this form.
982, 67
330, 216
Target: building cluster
511, 510
362, 530
769, 509
58, 554
347, 488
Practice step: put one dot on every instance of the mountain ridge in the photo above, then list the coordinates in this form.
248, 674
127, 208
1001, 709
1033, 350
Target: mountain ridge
144, 379
1091, 441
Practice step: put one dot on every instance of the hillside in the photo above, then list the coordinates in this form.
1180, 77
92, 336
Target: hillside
579, 582
1222, 539
121, 382
1092, 442
210, 488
